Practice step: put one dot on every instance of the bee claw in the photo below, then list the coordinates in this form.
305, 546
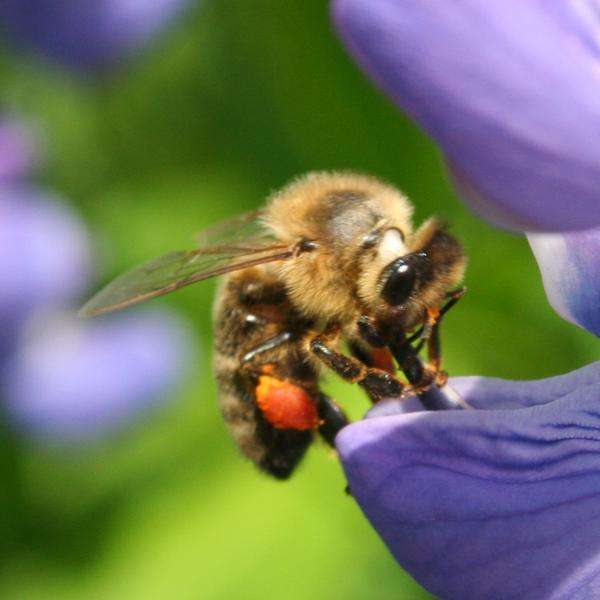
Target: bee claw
441, 378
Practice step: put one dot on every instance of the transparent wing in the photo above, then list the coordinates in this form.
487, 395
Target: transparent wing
243, 231
175, 270
237, 243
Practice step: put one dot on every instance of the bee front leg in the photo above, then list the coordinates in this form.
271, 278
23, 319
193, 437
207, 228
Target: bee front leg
377, 383
431, 335
434, 317
434, 355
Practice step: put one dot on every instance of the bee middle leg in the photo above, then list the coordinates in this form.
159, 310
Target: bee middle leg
434, 317
377, 383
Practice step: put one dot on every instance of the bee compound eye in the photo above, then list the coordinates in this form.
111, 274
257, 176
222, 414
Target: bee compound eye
400, 282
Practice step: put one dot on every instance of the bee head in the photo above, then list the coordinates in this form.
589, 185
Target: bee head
403, 279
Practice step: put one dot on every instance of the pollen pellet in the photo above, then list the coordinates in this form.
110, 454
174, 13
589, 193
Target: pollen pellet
285, 405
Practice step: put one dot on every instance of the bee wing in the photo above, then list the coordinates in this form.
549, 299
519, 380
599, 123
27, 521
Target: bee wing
175, 270
245, 230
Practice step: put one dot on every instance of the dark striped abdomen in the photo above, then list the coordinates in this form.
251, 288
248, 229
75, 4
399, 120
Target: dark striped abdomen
252, 307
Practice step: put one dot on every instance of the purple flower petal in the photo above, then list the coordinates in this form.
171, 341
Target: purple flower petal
86, 35
570, 267
508, 88
75, 379
18, 150
489, 503
45, 258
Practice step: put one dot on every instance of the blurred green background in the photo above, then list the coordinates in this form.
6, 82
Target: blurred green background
232, 102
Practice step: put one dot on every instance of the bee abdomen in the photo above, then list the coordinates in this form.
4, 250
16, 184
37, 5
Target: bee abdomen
277, 439
275, 451
237, 408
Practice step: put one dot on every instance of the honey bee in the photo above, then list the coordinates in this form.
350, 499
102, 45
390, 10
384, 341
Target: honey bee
331, 259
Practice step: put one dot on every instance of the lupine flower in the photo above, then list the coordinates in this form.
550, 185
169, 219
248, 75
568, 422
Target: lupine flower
570, 269
86, 35
498, 501
70, 383
61, 378
18, 150
509, 89
45, 259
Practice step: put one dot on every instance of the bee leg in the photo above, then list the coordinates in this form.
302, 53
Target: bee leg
401, 349
379, 358
419, 374
434, 350
333, 418
369, 332
284, 448
423, 333
425, 383
453, 297
409, 360
376, 382
362, 353
377, 354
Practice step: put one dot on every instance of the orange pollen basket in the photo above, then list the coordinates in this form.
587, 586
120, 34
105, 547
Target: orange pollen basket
285, 405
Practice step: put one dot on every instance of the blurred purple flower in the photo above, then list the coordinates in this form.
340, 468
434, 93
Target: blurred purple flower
496, 502
570, 267
508, 88
18, 150
72, 381
499, 502
86, 35
45, 258
65, 379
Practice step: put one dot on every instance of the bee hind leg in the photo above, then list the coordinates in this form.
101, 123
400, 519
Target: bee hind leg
333, 418
284, 448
